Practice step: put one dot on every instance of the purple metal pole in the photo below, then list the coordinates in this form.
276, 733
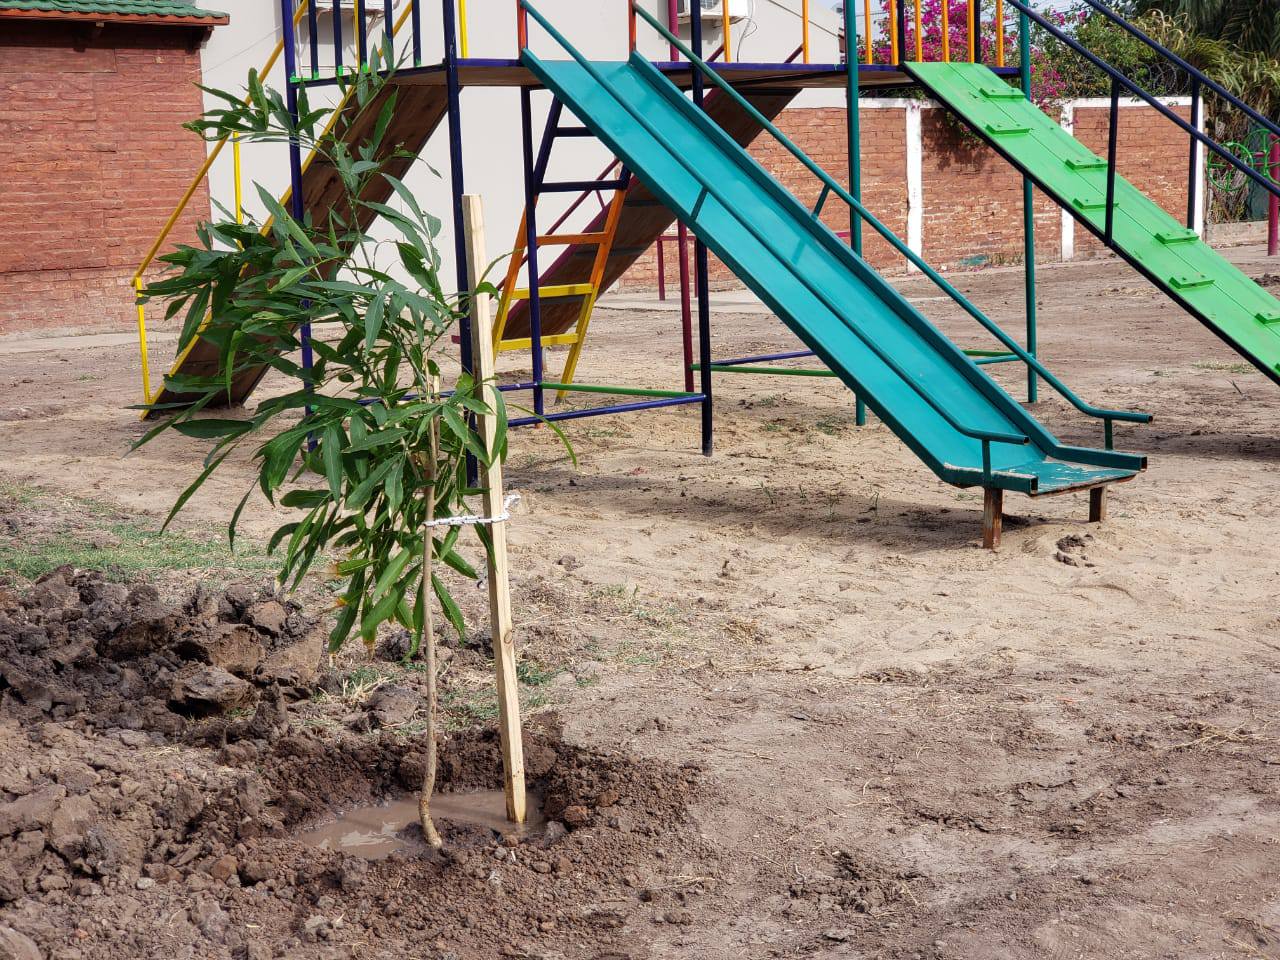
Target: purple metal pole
662, 268
686, 304
297, 209
1273, 204
531, 246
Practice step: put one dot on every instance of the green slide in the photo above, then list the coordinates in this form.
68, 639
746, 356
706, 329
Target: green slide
967, 429
1163, 249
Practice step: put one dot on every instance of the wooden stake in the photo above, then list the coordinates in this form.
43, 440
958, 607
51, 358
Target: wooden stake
504, 650
1097, 504
992, 517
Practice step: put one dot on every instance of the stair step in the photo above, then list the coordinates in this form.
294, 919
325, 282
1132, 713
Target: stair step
1269, 317
1092, 203
1007, 129
1001, 92
1092, 163
1170, 237
1190, 281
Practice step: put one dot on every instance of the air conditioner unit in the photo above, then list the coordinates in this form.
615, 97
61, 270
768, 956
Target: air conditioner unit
714, 9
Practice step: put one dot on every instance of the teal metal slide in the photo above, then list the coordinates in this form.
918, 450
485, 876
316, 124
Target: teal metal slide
967, 429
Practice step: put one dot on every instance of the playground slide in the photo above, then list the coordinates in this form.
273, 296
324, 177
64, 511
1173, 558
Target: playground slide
419, 110
919, 383
643, 220
1158, 246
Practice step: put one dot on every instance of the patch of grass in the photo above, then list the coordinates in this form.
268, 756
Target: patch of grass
464, 708
92, 535
1221, 367
832, 426
534, 674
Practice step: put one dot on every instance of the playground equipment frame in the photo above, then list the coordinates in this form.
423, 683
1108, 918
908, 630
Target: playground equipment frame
457, 69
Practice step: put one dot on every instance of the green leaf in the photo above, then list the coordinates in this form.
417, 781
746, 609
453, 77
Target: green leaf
208, 429
331, 451
450, 606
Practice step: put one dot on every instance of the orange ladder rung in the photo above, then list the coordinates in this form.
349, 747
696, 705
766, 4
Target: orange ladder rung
569, 239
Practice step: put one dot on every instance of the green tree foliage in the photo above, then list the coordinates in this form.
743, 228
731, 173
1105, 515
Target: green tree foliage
349, 450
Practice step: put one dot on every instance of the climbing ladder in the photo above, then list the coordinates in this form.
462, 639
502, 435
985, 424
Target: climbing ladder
598, 244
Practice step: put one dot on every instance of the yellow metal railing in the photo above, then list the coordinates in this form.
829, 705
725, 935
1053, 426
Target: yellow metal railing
153, 251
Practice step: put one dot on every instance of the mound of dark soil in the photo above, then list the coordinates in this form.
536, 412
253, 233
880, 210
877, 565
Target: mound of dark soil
138, 819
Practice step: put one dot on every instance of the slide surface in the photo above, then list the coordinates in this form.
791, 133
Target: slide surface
1163, 249
860, 326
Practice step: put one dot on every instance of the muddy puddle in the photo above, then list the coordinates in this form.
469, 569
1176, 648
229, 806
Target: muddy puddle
376, 832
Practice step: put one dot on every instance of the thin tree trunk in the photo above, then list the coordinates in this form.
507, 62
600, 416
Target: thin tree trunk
428, 646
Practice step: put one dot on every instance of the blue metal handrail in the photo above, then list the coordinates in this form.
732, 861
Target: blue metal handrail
831, 185
1118, 80
987, 437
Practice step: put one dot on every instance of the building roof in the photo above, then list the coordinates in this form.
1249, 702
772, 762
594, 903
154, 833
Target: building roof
167, 12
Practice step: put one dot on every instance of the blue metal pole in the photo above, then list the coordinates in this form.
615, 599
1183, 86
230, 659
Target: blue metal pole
456, 174
313, 30
296, 206
854, 128
337, 37
415, 18
531, 245
1028, 216
702, 278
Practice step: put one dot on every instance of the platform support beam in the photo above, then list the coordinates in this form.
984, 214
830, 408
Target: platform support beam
1028, 215
1097, 504
992, 517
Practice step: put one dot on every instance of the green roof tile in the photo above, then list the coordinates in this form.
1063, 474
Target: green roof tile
150, 9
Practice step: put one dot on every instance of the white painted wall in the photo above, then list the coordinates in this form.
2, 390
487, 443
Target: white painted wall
491, 117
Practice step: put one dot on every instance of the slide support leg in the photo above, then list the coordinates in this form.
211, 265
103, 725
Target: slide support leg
1097, 504
992, 517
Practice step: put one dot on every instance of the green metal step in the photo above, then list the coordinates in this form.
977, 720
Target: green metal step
1174, 258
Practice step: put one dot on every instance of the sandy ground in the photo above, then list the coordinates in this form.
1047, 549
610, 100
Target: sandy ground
911, 747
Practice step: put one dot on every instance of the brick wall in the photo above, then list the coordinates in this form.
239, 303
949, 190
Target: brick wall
94, 161
970, 207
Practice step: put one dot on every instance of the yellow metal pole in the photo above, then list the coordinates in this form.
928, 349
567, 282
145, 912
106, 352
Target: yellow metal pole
893, 30
999, 33
724, 23
804, 36
946, 34
866, 30
235, 164
462, 25
920, 30
142, 340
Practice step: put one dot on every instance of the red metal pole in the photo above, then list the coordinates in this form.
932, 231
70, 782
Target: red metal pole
673, 21
686, 305
522, 27
662, 268
1273, 207
631, 25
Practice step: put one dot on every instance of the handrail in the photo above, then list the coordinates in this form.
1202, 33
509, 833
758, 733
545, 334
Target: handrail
832, 185
985, 436
1196, 72
1120, 79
